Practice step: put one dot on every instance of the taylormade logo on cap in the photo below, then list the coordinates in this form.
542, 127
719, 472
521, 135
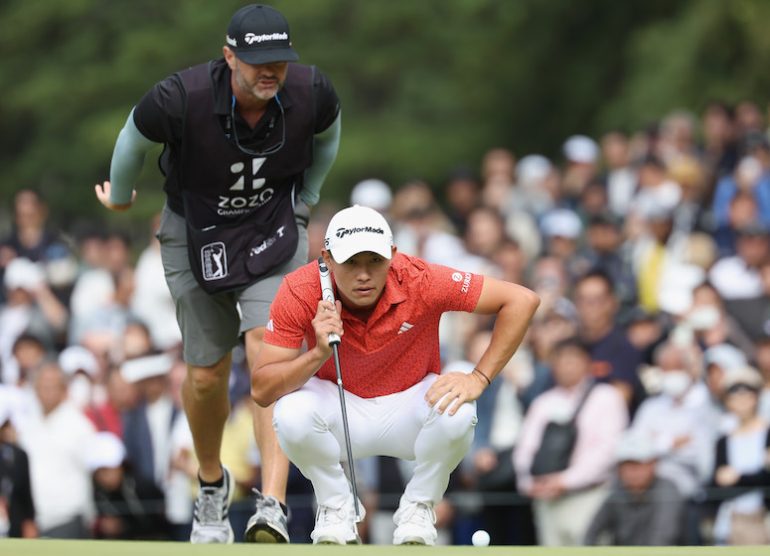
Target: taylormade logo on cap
358, 229
251, 38
342, 232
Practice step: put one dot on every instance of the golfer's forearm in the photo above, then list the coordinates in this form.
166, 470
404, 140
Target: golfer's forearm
127, 160
325, 147
273, 380
511, 325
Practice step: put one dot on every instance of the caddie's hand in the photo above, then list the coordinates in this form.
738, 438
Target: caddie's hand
327, 320
452, 390
103, 194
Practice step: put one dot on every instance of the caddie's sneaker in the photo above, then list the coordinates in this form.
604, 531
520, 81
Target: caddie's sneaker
210, 522
337, 525
415, 523
269, 523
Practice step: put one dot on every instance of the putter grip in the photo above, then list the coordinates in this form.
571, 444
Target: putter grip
327, 292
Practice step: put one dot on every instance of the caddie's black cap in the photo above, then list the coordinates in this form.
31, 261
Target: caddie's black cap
259, 34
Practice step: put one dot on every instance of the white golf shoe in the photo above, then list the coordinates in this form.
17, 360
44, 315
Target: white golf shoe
415, 523
337, 525
210, 516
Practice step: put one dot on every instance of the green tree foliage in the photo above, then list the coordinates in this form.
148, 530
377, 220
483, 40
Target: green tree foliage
425, 85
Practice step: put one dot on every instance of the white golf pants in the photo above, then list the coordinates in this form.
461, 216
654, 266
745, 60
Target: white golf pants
309, 426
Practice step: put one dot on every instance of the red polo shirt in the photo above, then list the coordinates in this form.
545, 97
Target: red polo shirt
397, 346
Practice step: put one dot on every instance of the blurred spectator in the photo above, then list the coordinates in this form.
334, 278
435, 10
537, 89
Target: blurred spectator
710, 321
30, 308
498, 171
619, 176
720, 361
565, 501
420, 227
749, 178
84, 386
28, 354
102, 294
646, 331
741, 458
679, 422
562, 231
738, 277
125, 507
677, 136
150, 299
614, 359
752, 314
54, 438
511, 261
484, 232
121, 397
534, 192
581, 155
17, 509
762, 358
147, 427
642, 509
692, 212
372, 193
606, 252
720, 147
183, 466
463, 193
32, 239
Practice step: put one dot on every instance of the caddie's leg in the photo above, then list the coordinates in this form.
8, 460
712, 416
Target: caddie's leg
210, 327
206, 404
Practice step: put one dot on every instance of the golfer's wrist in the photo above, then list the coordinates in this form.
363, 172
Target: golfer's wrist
481, 377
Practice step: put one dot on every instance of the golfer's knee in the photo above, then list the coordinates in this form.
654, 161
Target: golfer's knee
208, 381
455, 428
295, 419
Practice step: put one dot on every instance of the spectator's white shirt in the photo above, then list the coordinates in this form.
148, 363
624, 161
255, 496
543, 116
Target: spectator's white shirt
61, 482
621, 186
179, 501
93, 292
690, 465
733, 279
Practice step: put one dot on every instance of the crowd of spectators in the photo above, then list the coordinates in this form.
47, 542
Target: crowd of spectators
650, 251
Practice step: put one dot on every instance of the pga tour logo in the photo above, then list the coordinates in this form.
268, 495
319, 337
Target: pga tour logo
214, 261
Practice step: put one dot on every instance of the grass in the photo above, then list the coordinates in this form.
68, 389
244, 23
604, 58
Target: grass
17, 547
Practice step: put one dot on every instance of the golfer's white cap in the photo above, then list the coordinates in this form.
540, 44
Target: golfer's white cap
357, 229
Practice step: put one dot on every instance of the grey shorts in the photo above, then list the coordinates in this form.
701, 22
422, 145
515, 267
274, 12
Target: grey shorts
211, 324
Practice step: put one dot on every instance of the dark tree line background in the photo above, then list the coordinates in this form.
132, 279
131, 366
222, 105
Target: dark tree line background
426, 85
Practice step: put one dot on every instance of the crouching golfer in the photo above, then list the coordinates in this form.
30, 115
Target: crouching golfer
388, 308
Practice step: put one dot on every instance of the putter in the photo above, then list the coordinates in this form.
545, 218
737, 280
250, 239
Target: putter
327, 294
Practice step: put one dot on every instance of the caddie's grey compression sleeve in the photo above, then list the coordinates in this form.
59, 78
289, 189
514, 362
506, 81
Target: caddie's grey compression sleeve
127, 160
325, 146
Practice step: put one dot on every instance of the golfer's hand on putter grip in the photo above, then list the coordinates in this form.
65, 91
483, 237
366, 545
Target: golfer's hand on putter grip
327, 321
454, 389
